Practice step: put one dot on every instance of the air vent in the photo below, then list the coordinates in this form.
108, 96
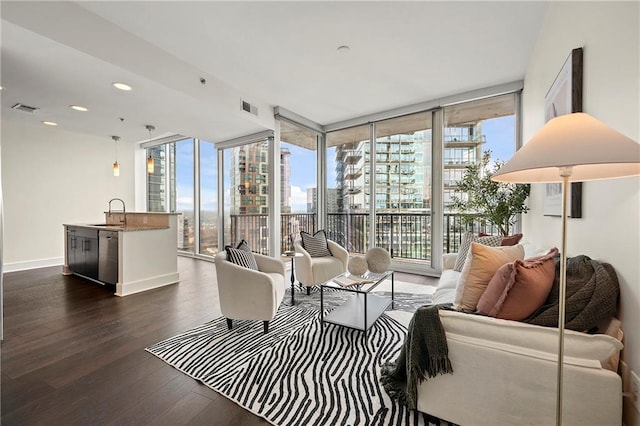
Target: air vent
247, 107
23, 107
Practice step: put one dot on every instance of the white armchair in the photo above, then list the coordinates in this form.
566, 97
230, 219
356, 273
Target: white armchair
246, 294
312, 271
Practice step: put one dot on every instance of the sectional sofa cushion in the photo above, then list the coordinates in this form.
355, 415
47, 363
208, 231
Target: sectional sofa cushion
537, 340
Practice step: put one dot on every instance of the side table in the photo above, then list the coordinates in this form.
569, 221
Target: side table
292, 256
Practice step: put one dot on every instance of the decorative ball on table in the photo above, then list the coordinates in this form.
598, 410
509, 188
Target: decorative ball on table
357, 265
378, 260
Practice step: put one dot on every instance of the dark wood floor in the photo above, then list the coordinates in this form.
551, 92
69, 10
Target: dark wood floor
73, 353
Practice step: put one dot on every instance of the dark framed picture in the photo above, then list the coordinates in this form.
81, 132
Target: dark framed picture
565, 97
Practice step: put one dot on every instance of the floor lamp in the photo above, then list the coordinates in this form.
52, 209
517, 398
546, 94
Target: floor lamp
571, 148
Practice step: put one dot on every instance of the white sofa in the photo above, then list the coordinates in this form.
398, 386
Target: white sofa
505, 371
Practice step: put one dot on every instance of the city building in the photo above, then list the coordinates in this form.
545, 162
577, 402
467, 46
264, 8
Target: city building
158, 188
332, 194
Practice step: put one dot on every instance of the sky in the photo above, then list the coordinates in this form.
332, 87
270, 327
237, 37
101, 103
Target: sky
499, 133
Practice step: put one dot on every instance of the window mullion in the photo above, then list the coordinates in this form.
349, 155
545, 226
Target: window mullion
196, 195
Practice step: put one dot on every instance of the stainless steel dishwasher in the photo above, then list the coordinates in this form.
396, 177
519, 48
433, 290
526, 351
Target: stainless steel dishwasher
108, 257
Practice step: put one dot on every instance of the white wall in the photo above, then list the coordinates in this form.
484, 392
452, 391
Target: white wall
50, 177
610, 228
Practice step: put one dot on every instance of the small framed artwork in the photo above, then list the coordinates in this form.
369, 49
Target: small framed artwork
565, 97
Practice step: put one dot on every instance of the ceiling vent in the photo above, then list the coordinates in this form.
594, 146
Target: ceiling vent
247, 107
23, 107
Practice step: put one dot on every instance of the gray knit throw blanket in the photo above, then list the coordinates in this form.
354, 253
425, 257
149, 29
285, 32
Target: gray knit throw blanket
424, 354
591, 295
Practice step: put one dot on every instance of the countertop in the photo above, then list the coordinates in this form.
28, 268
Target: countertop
104, 227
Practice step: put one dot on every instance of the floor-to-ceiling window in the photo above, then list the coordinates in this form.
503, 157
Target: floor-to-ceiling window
403, 186
397, 178
298, 182
246, 188
471, 128
183, 202
386, 179
208, 165
171, 187
348, 218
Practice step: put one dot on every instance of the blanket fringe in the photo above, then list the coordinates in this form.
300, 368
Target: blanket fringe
439, 365
424, 354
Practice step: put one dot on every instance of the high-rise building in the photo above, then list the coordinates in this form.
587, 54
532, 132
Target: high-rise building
403, 168
285, 175
403, 186
249, 179
332, 195
462, 147
158, 189
249, 184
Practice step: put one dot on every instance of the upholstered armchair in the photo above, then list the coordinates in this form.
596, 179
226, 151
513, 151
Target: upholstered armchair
246, 294
311, 271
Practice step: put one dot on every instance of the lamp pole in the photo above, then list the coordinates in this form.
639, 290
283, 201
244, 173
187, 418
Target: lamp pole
565, 173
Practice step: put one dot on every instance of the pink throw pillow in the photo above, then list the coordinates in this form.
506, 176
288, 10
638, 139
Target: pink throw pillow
511, 240
519, 288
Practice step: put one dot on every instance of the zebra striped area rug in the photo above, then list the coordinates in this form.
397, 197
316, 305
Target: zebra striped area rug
300, 373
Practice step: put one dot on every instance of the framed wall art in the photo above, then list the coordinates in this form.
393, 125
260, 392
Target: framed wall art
564, 97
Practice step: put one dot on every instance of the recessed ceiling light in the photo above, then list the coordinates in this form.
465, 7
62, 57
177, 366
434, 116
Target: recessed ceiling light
343, 49
1, 87
78, 108
122, 86
50, 123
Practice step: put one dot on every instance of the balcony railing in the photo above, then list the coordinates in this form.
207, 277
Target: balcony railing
404, 235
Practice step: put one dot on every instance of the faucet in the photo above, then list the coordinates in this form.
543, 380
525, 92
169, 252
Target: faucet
124, 210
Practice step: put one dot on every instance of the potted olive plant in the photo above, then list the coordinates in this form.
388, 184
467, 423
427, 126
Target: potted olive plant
494, 202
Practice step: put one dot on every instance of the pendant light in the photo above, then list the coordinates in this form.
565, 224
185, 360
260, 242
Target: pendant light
116, 166
150, 162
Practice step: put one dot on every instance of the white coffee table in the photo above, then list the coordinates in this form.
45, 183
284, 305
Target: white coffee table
364, 308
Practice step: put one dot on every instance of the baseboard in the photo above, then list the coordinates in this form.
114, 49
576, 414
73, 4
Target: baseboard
132, 287
417, 268
630, 415
32, 264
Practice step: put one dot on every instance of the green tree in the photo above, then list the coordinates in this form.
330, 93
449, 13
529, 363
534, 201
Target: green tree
495, 202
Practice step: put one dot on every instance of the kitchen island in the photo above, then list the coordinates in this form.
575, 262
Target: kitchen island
132, 251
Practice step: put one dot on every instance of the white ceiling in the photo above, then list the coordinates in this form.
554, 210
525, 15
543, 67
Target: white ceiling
55, 54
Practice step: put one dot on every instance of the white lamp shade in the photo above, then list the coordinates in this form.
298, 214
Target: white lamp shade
592, 149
